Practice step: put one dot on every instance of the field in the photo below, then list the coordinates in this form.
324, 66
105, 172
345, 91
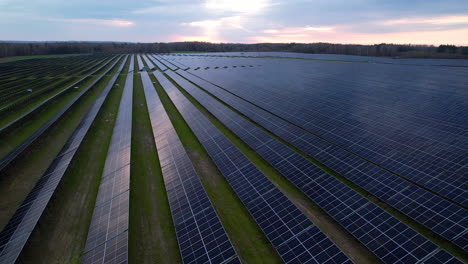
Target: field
233, 158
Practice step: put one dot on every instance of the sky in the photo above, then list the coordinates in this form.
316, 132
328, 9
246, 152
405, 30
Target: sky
238, 21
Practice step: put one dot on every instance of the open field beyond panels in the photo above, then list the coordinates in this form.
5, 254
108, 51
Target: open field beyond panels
233, 158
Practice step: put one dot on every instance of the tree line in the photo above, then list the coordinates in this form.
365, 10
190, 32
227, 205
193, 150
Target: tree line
9, 49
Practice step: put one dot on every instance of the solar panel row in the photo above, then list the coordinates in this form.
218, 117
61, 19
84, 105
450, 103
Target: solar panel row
293, 235
141, 65
107, 240
4, 161
161, 66
310, 179
434, 212
148, 62
16, 233
424, 151
200, 234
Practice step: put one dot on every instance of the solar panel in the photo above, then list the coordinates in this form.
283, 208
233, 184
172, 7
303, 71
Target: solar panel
107, 240
292, 234
148, 62
200, 234
441, 257
417, 203
427, 149
301, 172
16, 233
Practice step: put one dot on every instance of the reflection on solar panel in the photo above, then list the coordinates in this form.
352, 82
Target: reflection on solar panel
417, 203
16, 233
360, 217
201, 236
161, 66
107, 240
141, 65
148, 62
292, 234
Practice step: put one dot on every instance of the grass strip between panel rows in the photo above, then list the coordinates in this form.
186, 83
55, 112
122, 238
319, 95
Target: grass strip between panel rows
152, 237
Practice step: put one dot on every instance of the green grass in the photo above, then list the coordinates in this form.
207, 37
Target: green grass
152, 237
18, 58
342, 238
435, 238
250, 243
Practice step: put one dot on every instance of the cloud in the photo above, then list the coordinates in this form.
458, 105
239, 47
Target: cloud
320, 29
455, 36
234, 22
106, 22
238, 6
441, 20
298, 30
180, 38
211, 28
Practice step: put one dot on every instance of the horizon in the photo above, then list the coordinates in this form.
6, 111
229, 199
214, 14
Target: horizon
227, 43
362, 22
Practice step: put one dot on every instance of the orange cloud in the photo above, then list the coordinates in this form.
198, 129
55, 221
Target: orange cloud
455, 36
441, 20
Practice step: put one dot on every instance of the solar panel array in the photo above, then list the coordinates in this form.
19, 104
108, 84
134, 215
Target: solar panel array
428, 149
336, 57
4, 161
417, 203
200, 234
292, 234
391, 128
10, 124
161, 66
107, 240
310, 179
16, 233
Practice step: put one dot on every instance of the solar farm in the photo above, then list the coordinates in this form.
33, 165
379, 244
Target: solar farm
255, 157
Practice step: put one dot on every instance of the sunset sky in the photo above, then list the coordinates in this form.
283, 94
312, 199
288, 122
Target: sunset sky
240, 21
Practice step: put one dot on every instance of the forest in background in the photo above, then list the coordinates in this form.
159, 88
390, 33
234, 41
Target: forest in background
11, 49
